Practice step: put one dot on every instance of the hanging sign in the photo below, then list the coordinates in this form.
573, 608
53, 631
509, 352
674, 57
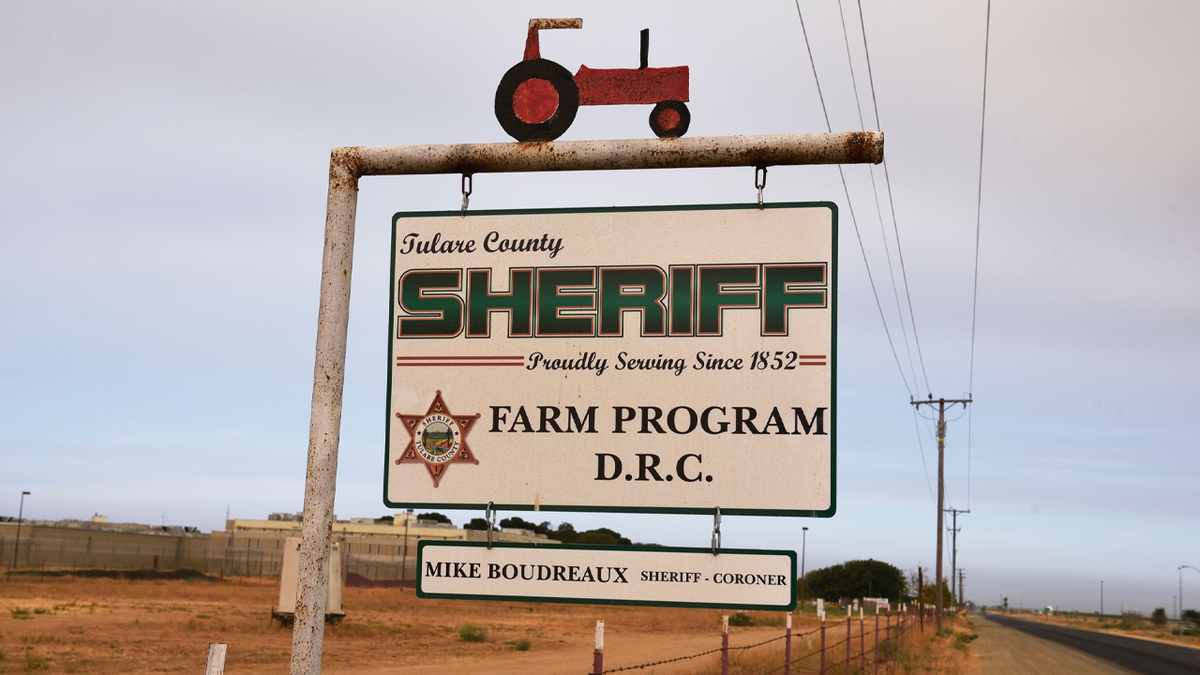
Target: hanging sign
608, 575
664, 359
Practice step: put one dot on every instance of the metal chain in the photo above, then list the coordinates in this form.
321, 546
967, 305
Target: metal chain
760, 184
468, 184
489, 514
716, 533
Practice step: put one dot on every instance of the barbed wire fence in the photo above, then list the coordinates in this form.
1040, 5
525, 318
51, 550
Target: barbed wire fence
880, 640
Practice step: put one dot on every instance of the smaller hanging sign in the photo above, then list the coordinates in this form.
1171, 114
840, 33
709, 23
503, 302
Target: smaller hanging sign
607, 575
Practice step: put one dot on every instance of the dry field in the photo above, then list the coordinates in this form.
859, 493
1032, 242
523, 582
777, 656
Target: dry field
111, 626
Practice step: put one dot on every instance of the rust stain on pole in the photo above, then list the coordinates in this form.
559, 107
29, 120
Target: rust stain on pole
856, 147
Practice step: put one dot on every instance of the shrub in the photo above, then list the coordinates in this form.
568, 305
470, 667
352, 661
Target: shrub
1159, 616
521, 645
469, 633
20, 613
741, 619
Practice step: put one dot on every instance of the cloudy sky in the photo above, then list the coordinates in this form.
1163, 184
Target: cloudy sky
162, 192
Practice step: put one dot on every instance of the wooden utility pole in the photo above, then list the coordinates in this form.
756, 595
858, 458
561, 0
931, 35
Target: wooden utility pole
941, 493
954, 530
921, 596
961, 598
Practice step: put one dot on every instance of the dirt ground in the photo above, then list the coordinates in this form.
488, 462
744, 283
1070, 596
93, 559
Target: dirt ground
112, 626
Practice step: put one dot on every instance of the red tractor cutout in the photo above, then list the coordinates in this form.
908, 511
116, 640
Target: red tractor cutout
537, 99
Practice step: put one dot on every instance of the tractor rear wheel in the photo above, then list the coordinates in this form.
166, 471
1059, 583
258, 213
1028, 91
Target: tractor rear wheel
536, 100
670, 119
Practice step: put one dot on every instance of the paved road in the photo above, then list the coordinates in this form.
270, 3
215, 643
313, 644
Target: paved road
1127, 654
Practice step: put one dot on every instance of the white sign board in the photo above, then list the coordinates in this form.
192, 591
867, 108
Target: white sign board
667, 359
620, 575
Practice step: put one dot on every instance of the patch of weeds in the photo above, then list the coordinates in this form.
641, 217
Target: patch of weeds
521, 645
33, 663
40, 610
70, 668
203, 616
20, 613
469, 633
962, 641
741, 619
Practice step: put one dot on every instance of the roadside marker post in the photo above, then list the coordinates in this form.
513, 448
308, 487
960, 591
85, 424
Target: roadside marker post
216, 659
349, 164
598, 654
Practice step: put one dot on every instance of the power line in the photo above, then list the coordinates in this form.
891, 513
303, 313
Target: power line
829, 127
850, 205
891, 202
875, 193
987, 38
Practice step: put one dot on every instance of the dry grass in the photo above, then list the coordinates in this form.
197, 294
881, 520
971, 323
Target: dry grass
111, 627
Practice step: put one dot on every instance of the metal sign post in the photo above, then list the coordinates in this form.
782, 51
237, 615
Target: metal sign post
347, 165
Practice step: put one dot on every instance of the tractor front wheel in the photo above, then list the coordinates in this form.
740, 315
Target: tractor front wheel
670, 119
536, 100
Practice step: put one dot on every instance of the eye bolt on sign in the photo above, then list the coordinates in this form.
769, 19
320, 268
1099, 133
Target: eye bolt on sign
657, 359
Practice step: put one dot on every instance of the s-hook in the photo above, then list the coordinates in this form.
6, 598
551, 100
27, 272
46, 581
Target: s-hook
716, 533
760, 182
489, 514
468, 184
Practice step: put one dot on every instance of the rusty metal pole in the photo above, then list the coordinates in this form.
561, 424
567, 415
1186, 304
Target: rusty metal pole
598, 653
822, 644
787, 647
725, 645
876, 639
887, 634
348, 164
849, 634
862, 642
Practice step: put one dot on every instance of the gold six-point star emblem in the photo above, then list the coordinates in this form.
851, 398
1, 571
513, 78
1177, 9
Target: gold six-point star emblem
438, 438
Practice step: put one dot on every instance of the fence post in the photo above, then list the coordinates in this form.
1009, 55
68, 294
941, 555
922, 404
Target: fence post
862, 642
822, 643
849, 631
887, 634
216, 659
725, 644
598, 654
787, 647
876, 639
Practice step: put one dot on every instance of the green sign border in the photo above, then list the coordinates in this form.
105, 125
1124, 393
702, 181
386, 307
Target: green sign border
581, 547
794, 513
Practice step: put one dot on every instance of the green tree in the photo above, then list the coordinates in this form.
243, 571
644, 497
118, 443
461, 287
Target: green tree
435, 517
476, 524
522, 524
1159, 616
929, 594
856, 579
602, 537
565, 533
